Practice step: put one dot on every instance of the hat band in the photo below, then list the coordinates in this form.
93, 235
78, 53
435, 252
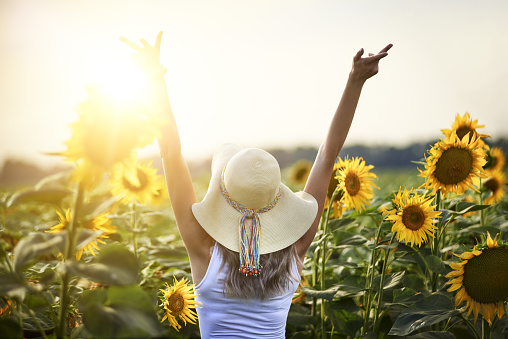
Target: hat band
249, 236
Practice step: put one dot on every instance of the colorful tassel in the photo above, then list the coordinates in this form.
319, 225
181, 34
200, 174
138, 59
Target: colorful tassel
249, 236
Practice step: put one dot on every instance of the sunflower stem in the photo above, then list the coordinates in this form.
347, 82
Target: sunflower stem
370, 282
486, 332
69, 256
482, 211
134, 228
324, 226
435, 244
381, 284
471, 326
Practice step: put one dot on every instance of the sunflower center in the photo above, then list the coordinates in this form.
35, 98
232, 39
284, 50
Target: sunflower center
142, 178
454, 166
176, 303
413, 217
486, 276
301, 174
491, 184
352, 183
462, 131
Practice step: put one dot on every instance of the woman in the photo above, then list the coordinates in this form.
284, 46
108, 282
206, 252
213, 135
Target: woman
247, 239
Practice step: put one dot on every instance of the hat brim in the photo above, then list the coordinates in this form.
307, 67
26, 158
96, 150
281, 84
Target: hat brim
283, 225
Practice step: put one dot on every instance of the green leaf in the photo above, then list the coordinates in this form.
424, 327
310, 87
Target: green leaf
425, 312
30, 328
131, 296
10, 329
90, 297
326, 294
436, 265
403, 294
115, 265
465, 206
45, 196
300, 316
337, 223
35, 245
108, 321
352, 241
344, 316
12, 286
352, 284
433, 335
96, 207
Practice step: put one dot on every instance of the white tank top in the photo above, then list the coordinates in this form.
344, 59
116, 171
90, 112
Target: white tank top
225, 317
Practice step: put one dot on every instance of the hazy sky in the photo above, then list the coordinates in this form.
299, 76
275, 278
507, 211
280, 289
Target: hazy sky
258, 73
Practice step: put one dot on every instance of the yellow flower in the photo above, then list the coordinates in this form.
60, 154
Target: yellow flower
463, 126
132, 180
355, 181
100, 223
454, 165
107, 132
413, 217
299, 172
495, 184
337, 203
481, 279
495, 159
178, 300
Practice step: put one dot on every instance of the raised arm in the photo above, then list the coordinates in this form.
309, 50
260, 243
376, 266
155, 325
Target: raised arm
176, 171
319, 178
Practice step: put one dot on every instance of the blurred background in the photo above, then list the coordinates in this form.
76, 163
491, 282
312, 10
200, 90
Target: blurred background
262, 74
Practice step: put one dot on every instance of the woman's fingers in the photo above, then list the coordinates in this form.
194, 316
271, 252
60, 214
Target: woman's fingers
157, 45
145, 43
386, 49
358, 55
131, 44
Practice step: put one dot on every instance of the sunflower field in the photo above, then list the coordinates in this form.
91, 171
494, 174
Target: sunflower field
95, 252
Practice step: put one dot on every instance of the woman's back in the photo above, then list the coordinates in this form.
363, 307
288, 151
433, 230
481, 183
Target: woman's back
226, 317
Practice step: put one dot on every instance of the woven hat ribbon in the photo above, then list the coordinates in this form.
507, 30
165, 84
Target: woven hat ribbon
249, 236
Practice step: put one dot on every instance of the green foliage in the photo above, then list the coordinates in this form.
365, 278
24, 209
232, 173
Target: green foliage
357, 280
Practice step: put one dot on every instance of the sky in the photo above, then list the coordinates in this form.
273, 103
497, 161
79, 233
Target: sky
260, 73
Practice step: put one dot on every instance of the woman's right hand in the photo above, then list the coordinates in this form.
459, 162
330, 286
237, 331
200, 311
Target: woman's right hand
147, 57
366, 67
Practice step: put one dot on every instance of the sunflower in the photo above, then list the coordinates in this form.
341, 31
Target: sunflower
337, 203
299, 172
177, 301
463, 126
107, 132
454, 165
413, 217
355, 181
133, 180
481, 279
100, 223
495, 184
495, 159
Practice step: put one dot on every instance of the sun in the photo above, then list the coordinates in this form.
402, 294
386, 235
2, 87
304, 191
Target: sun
118, 78
481, 279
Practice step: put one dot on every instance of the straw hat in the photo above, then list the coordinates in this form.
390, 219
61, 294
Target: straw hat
251, 178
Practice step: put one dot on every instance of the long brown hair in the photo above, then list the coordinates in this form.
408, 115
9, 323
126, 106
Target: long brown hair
274, 279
